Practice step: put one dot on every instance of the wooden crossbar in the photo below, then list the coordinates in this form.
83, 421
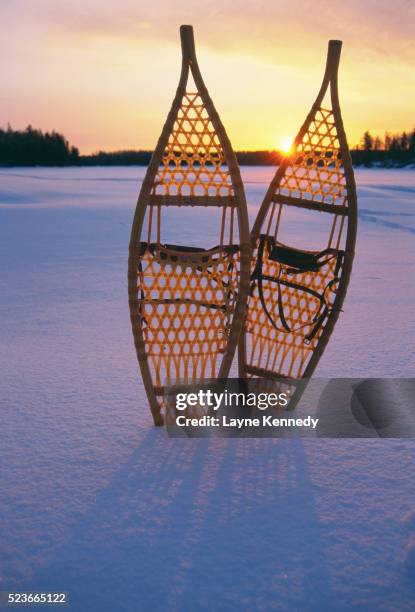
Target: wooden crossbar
262, 373
334, 209
181, 200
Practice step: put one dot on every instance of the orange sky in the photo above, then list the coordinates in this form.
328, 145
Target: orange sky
104, 72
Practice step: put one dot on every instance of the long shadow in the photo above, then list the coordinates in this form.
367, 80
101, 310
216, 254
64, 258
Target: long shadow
206, 524
389, 224
122, 551
254, 541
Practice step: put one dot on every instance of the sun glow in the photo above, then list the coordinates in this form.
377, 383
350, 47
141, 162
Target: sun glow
285, 144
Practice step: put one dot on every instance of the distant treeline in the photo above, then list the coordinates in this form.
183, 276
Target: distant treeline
116, 158
392, 150
31, 147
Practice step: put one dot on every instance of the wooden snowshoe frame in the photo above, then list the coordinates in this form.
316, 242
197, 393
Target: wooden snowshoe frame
296, 296
187, 304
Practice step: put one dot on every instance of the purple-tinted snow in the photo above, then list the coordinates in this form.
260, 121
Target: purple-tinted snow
95, 501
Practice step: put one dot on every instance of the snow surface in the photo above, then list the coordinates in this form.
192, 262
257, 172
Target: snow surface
96, 501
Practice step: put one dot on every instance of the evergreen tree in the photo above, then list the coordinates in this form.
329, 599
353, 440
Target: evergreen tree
32, 147
367, 145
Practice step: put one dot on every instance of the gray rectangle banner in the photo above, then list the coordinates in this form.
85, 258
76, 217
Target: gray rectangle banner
284, 408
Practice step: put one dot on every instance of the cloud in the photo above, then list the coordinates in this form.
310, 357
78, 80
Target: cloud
376, 26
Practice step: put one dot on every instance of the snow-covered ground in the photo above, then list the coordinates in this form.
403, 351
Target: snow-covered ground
96, 501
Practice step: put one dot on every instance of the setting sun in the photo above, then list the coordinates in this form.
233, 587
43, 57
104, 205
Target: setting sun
285, 144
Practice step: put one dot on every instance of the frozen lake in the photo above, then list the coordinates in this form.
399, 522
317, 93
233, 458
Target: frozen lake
96, 501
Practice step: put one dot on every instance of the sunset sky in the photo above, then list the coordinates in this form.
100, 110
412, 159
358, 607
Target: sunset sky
104, 72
